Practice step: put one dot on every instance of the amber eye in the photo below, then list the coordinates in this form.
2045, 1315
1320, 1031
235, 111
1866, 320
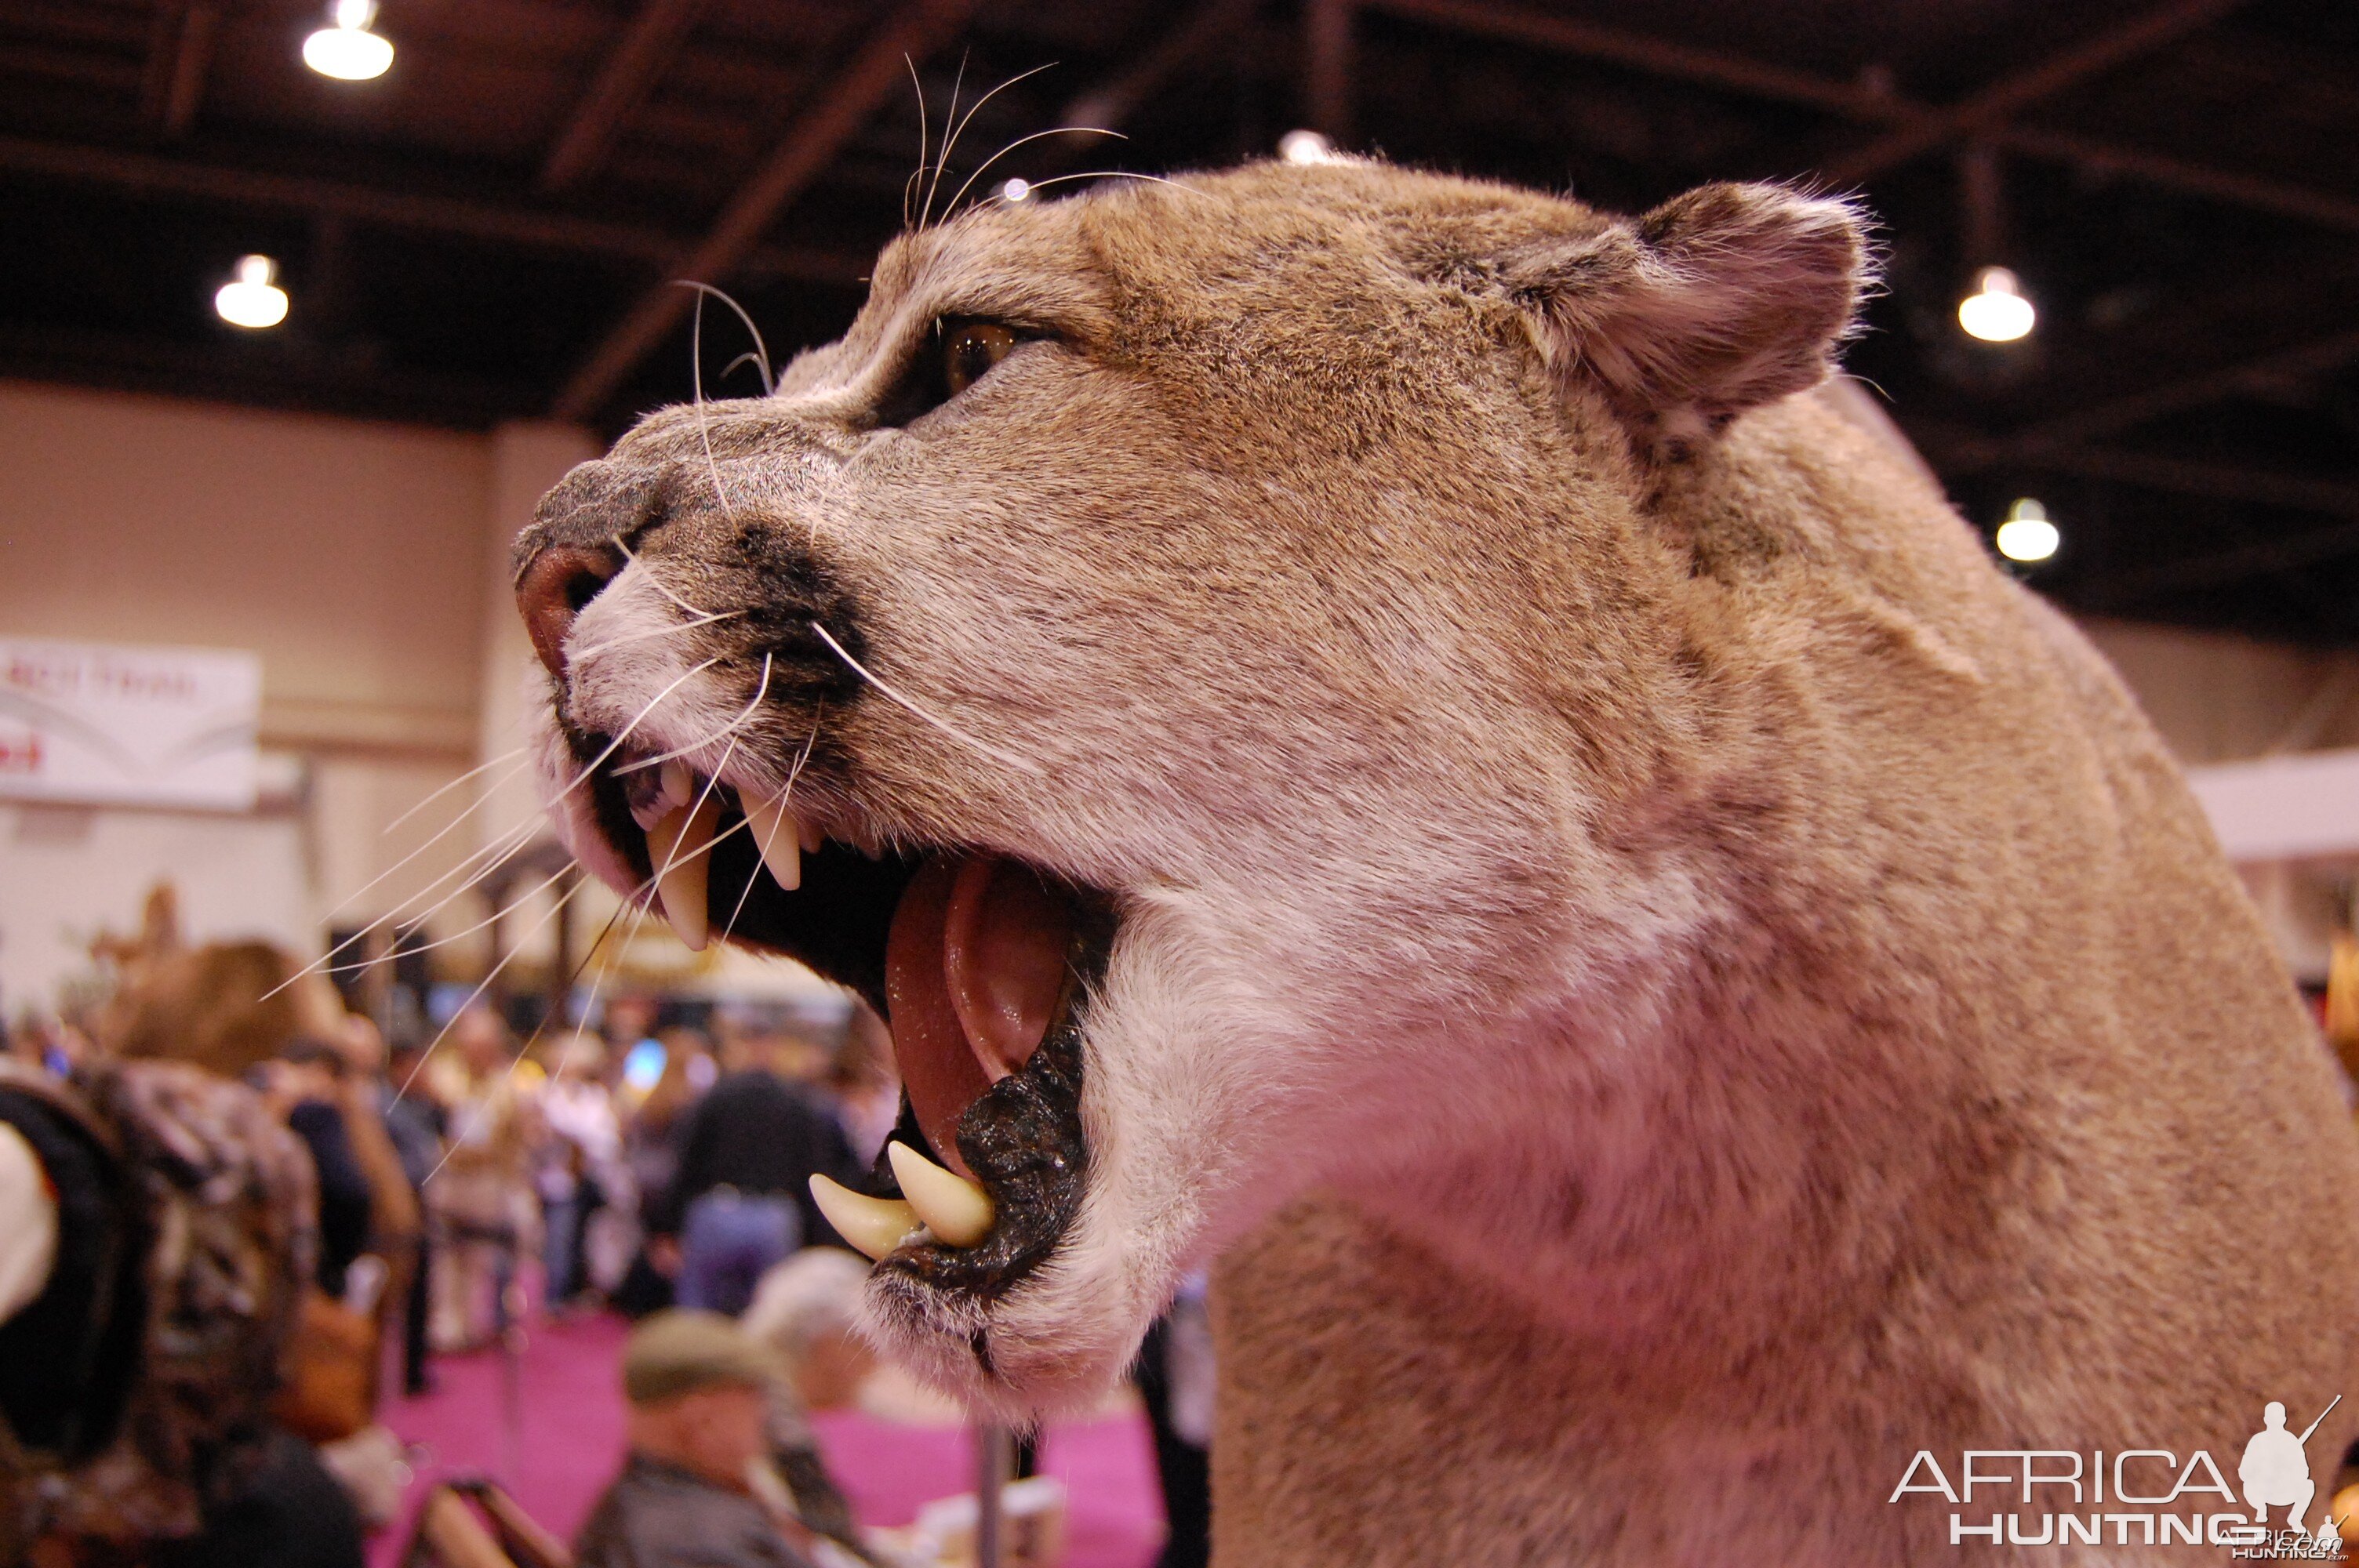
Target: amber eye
970, 348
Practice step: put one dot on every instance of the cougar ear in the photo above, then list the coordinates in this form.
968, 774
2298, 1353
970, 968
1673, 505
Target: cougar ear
1720, 299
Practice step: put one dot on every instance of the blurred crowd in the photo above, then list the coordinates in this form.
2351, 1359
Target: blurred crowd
232, 1167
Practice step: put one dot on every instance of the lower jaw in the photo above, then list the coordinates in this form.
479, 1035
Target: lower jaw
1023, 1141
1021, 1138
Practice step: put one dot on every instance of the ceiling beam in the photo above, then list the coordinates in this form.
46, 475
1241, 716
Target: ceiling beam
648, 42
913, 32
494, 222
2152, 470
2011, 94
1327, 29
2327, 211
2222, 567
181, 52
1110, 105
1652, 56
2116, 415
1857, 101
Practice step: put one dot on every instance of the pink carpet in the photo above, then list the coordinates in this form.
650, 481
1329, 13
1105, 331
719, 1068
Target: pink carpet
572, 1439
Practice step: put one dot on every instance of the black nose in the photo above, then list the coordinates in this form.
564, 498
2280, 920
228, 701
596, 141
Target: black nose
554, 587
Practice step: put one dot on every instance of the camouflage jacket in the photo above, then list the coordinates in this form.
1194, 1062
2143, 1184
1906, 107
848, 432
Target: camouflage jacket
188, 1230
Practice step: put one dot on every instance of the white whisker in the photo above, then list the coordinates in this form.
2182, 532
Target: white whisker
951, 210
676, 626
703, 423
909, 186
949, 117
950, 144
461, 1011
493, 919
514, 839
944, 725
353, 897
654, 581
761, 350
729, 926
759, 692
1116, 173
476, 771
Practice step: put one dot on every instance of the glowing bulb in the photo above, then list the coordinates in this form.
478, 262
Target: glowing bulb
252, 298
1996, 311
347, 50
1305, 147
2028, 536
1015, 191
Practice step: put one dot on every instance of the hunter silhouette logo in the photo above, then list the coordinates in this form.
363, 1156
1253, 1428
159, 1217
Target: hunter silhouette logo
2275, 1472
2136, 1496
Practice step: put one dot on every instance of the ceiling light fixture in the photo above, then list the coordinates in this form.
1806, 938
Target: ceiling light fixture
1307, 147
1015, 191
252, 298
346, 49
1996, 311
2028, 536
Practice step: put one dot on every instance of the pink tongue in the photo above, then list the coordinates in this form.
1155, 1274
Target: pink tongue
973, 971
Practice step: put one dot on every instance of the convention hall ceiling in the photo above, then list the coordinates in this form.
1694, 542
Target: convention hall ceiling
486, 232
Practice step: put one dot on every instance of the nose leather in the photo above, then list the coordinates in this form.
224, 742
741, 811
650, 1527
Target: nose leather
554, 586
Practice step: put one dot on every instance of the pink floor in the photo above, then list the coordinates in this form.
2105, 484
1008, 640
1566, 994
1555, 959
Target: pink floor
573, 1439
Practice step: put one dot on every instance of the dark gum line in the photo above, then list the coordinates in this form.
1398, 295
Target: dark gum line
1022, 1137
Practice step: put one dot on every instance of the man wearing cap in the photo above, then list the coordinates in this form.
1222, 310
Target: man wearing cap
699, 1390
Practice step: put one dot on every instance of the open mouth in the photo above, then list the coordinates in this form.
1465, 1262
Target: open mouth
980, 962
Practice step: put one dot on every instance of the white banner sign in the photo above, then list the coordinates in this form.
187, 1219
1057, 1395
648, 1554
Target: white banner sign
128, 726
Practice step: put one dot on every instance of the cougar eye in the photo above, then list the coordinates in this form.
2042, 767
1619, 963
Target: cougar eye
969, 351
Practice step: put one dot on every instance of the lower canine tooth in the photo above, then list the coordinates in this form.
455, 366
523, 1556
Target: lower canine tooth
956, 1210
677, 846
875, 1225
778, 837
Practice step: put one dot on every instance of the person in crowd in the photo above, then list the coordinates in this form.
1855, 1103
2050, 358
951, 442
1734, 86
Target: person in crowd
415, 1123
739, 1199
699, 1392
575, 1164
482, 1196
806, 1312
136, 1386
1174, 1374
859, 1078
683, 1068
303, 1088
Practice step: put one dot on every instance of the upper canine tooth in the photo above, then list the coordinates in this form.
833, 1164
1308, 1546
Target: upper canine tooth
678, 782
875, 1225
677, 846
778, 835
956, 1210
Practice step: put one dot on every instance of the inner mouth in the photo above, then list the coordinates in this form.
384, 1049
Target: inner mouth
979, 961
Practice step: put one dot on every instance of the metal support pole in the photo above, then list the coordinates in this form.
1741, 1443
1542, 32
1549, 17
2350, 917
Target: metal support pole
994, 1455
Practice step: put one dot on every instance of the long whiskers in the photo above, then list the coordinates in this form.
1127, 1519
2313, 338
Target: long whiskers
493, 919
944, 725
784, 796
653, 581
950, 144
949, 116
595, 649
761, 355
476, 771
909, 186
513, 841
951, 210
745, 714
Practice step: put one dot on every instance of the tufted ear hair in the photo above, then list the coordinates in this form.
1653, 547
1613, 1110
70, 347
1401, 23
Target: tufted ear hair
1718, 300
